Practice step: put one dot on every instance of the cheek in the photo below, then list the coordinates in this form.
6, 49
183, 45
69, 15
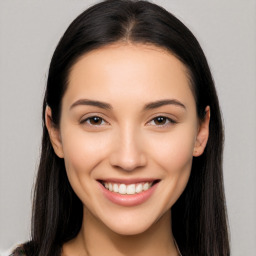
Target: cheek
174, 151
174, 154
82, 153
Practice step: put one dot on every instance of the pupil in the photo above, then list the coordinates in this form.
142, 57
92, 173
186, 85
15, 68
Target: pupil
95, 120
160, 120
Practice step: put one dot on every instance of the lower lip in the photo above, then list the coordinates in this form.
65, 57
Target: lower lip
128, 200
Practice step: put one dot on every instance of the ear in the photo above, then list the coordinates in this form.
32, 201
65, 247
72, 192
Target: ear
203, 134
54, 133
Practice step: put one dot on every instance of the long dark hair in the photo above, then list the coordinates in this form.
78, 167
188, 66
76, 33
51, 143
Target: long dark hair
199, 216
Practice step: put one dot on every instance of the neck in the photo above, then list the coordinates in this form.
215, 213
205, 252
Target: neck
95, 238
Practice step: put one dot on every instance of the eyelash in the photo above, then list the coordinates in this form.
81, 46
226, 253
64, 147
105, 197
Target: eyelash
89, 119
168, 121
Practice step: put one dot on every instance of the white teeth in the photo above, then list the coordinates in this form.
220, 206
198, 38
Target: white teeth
130, 189
146, 186
122, 189
138, 188
115, 188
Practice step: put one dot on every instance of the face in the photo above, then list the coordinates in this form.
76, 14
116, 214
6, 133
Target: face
128, 134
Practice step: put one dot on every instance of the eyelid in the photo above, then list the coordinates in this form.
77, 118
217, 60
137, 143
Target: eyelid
89, 116
171, 121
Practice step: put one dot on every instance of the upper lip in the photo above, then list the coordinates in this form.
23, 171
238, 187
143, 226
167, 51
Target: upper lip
128, 181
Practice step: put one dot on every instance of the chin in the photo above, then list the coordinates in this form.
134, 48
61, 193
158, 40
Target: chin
131, 224
130, 230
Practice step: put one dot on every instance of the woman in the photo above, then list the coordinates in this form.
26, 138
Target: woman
131, 160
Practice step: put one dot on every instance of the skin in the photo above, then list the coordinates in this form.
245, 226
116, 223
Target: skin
128, 141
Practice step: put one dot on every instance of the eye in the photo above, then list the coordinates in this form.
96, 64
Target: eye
161, 121
94, 121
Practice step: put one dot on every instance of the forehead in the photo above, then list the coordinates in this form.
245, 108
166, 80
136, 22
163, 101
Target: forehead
129, 70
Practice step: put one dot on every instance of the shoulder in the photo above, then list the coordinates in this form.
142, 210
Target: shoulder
26, 249
19, 251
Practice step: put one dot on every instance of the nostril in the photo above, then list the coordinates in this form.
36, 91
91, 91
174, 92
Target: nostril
128, 157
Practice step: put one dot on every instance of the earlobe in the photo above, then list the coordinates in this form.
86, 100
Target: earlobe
203, 134
54, 133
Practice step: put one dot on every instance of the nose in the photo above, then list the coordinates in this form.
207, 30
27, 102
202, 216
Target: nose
128, 151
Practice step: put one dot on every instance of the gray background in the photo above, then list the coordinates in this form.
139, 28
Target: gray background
29, 32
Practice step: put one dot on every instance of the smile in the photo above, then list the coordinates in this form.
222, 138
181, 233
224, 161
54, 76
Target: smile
128, 193
129, 189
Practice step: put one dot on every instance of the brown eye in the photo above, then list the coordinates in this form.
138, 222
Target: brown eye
160, 120
94, 120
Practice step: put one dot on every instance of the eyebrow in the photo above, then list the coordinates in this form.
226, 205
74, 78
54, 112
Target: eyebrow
160, 103
95, 103
149, 106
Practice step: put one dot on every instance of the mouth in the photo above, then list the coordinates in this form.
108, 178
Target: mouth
125, 188
128, 193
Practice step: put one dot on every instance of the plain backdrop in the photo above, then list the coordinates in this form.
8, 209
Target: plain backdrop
29, 32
